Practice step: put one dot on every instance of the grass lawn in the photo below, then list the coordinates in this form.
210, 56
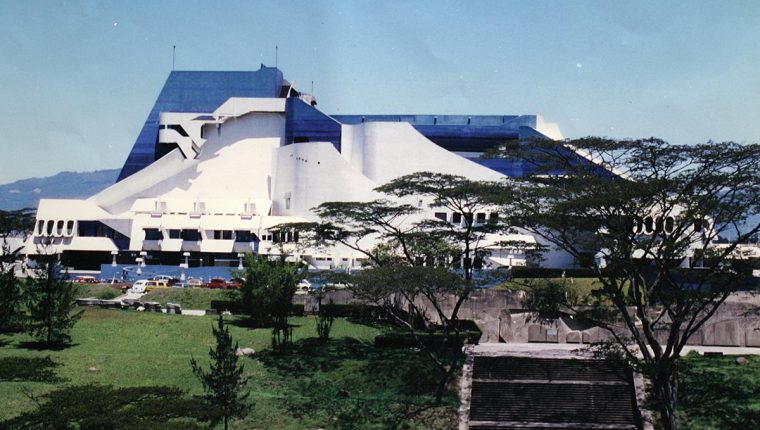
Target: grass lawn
188, 298
99, 291
583, 286
717, 393
344, 383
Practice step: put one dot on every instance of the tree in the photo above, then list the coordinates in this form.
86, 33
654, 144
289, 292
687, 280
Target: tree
419, 299
51, 303
422, 266
463, 197
224, 381
647, 217
12, 223
267, 293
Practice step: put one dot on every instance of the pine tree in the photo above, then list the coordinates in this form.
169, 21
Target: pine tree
12, 224
51, 304
11, 314
224, 381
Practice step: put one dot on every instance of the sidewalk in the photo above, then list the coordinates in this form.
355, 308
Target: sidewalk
574, 349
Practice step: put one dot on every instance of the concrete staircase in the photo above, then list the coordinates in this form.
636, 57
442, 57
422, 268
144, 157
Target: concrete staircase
551, 393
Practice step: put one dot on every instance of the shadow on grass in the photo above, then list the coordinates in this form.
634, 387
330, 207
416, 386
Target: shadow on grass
346, 383
308, 356
44, 346
249, 323
28, 369
718, 393
105, 407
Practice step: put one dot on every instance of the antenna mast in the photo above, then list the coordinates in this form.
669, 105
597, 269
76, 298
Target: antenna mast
276, 52
174, 49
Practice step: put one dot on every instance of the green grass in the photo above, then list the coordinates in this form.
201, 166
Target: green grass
99, 291
345, 383
188, 298
717, 393
582, 286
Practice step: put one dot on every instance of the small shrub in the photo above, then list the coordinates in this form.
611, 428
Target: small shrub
325, 321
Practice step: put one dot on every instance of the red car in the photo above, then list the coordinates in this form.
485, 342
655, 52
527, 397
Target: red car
216, 283
235, 283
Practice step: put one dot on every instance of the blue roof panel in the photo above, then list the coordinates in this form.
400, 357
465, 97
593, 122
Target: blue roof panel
196, 91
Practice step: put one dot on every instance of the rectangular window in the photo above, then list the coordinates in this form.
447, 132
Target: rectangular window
175, 234
441, 216
244, 236
222, 234
191, 235
480, 218
456, 218
153, 234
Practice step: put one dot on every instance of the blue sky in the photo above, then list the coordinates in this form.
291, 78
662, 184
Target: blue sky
77, 78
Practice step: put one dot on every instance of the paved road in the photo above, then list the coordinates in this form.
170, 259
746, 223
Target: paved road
130, 296
569, 348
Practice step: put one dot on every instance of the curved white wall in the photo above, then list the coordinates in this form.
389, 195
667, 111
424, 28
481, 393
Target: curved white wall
383, 151
312, 173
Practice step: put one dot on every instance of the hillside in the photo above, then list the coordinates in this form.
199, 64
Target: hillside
26, 193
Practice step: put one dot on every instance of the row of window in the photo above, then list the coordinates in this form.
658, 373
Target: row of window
68, 228
457, 217
651, 225
192, 235
55, 228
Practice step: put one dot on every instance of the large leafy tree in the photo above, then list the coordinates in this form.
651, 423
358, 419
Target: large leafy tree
462, 197
266, 296
224, 381
413, 256
419, 299
662, 227
51, 303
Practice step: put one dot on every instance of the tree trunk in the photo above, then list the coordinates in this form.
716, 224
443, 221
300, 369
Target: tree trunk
225, 422
668, 398
441, 387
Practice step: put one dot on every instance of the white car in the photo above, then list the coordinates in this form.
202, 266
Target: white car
303, 287
139, 286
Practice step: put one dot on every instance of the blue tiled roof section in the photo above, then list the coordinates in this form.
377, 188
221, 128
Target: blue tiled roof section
304, 123
196, 91
474, 133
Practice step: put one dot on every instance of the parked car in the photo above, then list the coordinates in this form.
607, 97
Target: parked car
139, 286
216, 283
153, 284
235, 283
86, 280
303, 287
193, 282
180, 285
169, 280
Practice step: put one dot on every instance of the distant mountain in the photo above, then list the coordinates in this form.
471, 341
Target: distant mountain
26, 193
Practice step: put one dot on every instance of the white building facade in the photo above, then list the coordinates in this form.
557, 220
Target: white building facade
225, 156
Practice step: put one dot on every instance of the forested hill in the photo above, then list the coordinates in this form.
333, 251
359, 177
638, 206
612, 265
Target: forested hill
26, 193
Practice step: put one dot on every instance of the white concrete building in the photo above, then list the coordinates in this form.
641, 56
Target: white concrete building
224, 156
